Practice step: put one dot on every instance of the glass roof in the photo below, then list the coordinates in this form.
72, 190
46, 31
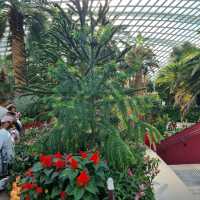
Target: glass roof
163, 23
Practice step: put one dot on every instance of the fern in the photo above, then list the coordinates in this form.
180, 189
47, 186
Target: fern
118, 152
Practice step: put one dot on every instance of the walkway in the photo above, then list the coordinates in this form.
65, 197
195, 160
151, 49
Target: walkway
190, 175
3, 196
167, 185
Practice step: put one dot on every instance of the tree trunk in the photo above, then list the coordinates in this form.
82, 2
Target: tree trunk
16, 22
139, 83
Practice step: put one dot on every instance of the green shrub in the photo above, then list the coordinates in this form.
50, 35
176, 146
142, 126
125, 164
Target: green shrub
137, 180
66, 177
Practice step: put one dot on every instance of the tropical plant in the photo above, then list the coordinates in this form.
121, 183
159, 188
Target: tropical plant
153, 111
138, 177
6, 88
78, 177
142, 61
88, 97
15, 15
180, 78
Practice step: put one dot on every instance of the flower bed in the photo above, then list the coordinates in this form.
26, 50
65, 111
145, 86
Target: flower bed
65, 177
35, 124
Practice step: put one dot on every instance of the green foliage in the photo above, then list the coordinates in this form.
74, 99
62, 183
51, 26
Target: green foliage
5, 89
153, 112
32, 108
26, 153
140, 57
6, 80
3, 21
24, 103
121, 151
178, 82
82, 85
33, 14
67, 172
82, 98
161, 122
138, 178
15, 17
24, 159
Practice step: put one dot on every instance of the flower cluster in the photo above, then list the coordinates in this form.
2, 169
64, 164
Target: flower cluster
81, 171
48, 161
30, 186
35, 124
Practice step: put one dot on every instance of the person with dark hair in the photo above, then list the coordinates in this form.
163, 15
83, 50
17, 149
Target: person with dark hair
12, 111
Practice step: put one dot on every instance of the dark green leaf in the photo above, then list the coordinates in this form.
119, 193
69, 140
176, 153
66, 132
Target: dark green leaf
37, 167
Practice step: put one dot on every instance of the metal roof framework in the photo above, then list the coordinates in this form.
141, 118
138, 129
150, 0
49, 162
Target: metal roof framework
163, 23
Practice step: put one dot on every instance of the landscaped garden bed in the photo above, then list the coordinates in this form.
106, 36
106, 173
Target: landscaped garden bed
93, 94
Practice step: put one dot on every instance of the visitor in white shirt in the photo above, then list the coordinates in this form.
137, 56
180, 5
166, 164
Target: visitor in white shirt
6, 144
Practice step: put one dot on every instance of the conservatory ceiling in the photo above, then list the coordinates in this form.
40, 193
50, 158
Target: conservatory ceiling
163, 23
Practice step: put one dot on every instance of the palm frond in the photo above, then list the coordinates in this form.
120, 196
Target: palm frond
181, 76
37, 23
3, 22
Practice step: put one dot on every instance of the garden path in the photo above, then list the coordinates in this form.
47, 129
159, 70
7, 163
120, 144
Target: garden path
4, 196
190, 175
167, 185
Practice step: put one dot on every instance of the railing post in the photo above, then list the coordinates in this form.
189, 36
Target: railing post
110, 186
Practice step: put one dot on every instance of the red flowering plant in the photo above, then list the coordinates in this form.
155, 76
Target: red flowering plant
58, 176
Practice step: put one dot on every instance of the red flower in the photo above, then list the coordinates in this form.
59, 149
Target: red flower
95, 158
73, 163
60, 164
46, 161
69, 157
83, 154
29, 173
62, 195
27, 197
83, 179
39, 190
27, 186
58, 155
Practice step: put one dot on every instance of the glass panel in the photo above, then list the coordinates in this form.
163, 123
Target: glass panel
164, 22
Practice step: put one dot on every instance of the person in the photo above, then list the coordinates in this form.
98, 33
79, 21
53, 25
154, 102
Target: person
150, 142
6, 145
174, 126
3, 110
15, 135
13, 112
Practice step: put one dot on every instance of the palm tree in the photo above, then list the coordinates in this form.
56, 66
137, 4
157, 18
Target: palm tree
188, 81
181, 77
142, 60
18, 16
